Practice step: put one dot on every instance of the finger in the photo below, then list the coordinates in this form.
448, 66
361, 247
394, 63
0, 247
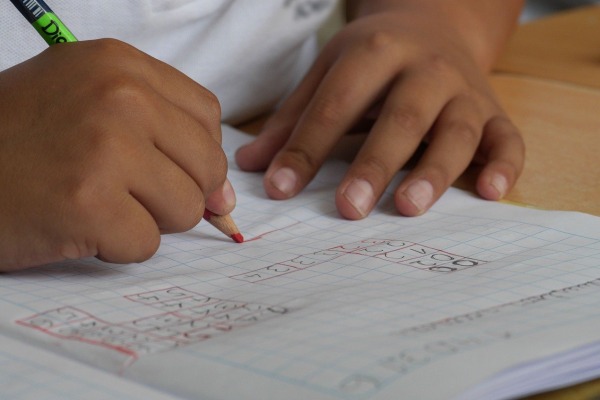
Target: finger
335, 107
154, 182
171, 196
454, 140
101, 218
185, 141
222, 201
127, 234
504, 151
406, 116
257, 155
190, 156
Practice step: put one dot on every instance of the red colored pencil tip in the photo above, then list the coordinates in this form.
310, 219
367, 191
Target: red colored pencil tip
238, 238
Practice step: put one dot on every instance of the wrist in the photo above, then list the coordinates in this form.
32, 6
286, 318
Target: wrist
482, 27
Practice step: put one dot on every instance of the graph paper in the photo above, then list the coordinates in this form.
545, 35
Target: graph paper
33, 373
315, 306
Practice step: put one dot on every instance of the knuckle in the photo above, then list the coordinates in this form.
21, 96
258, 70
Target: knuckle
377, 168
102, 145
379, 41
76, 248
185, 211
507, 127
406, 118
122, 93
81, 202
80, 196
480, 100
188, 215
464, 132
144, 245
112, 47
301, 158
210, 115
438, 174
194, 215
220, 166
212, 105
213, 177
328, 111
83, 197
439, 65
506, 133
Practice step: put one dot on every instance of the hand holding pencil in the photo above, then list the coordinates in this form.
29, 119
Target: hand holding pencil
99, 158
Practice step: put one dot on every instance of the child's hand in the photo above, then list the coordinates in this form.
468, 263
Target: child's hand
416, 75
102, 148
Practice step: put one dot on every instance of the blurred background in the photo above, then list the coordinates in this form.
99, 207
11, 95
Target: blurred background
534, 9
539, 8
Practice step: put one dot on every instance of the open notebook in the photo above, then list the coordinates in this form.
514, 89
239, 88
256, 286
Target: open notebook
475, 299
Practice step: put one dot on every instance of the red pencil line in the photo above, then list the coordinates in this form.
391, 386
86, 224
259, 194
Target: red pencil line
268, 233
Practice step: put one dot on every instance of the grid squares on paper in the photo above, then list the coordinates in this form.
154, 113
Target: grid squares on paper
24, 379
181, 317
324, 261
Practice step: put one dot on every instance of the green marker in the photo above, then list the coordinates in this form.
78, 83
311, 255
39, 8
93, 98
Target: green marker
43, 19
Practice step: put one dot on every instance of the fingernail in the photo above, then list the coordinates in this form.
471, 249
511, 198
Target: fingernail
360, 194
284, 180
499, 183
420, 193
228, 194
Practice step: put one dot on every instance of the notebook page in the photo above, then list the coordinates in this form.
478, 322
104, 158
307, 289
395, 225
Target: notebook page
28, 373
554, 372
314, 306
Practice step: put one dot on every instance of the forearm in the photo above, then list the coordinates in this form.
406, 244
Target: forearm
483, 25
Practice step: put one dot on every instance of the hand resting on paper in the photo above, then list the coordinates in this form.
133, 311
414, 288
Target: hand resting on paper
419, 68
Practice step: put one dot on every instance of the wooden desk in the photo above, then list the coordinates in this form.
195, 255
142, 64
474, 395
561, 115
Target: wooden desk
548, 80
564, 47
561, 127
553, 95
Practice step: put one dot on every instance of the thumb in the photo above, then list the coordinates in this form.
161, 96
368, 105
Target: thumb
222, 201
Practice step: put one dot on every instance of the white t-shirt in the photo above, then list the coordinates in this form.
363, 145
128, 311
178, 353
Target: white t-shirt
250, 53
